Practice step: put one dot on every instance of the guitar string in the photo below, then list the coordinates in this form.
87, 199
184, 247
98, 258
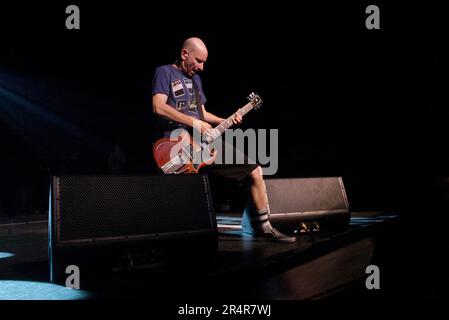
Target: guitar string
195, 152
174, 161
198, 150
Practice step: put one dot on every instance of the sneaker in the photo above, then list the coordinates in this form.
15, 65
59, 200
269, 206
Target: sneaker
276, 235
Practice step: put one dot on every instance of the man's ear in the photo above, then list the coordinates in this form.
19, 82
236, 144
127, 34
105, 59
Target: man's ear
184, 53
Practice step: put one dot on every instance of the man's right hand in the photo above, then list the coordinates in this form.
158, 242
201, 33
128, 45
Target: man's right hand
207, 131
202, 125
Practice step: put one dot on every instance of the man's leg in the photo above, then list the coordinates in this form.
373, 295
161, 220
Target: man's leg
257, 189
256, 216
255, 220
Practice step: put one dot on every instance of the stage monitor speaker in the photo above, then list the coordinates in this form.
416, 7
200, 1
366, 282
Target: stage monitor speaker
105, 221
308, 204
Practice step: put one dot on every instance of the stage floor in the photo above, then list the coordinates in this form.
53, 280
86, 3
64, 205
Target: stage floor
316, 266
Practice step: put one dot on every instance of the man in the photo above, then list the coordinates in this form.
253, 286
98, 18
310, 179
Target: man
176, 90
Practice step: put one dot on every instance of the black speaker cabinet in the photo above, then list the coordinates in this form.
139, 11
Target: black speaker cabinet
308, 204
107, 222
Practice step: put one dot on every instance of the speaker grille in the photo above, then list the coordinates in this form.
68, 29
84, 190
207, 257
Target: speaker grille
306, 195
108, 207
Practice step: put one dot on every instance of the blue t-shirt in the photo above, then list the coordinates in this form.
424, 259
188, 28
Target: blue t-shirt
179, 89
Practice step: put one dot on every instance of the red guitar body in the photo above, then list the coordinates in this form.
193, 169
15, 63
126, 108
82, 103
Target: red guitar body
168, 155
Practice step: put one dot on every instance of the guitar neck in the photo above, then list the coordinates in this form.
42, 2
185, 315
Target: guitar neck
226, 124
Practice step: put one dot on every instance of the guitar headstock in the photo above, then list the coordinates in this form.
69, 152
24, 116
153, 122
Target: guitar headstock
255, 100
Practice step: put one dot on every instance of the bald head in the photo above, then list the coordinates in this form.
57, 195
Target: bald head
195, 44
193, 56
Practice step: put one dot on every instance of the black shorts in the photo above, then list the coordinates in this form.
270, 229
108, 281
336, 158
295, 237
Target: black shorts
234, 172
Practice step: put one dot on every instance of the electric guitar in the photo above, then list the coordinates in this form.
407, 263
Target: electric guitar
185, 155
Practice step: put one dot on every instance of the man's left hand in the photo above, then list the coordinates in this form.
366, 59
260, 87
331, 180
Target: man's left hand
237, 119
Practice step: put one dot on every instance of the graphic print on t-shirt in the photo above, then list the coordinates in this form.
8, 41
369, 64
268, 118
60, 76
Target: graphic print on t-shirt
177, 88
192, 105
181, 104
189, 85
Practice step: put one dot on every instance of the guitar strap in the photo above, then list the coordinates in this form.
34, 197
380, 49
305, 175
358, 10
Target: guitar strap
198, 99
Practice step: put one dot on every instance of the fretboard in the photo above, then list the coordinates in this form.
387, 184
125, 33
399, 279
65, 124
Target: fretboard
228, 122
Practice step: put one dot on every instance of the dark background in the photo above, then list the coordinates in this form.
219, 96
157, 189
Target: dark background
369, 105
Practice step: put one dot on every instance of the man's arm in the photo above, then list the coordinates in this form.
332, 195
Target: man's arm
211, 118
161, 108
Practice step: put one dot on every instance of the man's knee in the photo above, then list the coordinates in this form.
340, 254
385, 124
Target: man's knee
256, 174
